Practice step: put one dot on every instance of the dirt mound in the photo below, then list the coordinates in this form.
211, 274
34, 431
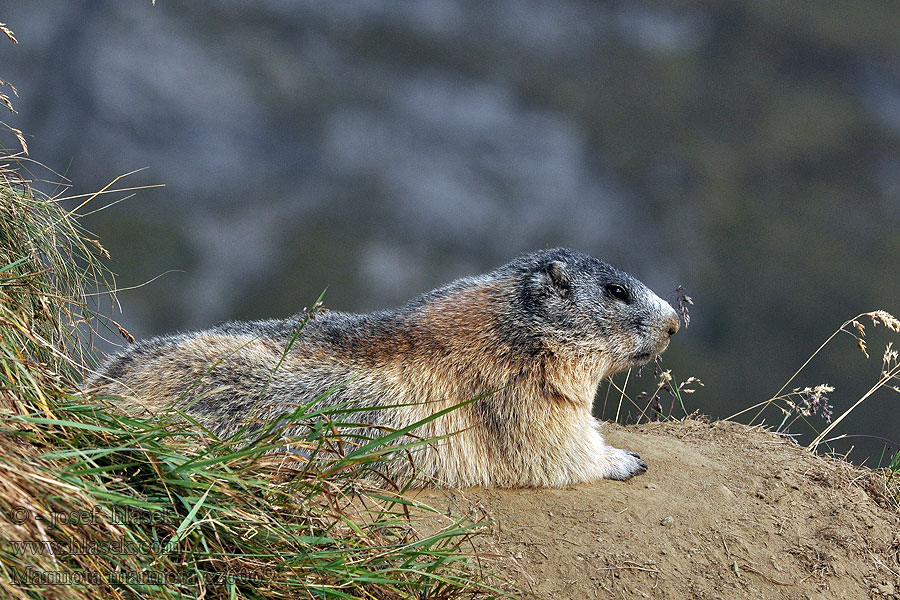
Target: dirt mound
725, 511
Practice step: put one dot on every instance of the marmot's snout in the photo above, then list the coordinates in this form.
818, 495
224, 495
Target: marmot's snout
666, 324
672, 322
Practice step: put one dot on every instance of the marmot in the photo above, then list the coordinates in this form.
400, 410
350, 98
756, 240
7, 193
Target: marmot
532, 339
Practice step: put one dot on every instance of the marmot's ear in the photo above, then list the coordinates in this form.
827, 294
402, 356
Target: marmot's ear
559, 277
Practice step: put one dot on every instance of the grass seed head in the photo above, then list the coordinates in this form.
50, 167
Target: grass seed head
690, 381
683, 302
886, 319
8, 33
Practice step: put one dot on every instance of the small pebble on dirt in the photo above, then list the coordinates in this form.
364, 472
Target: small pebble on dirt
666, 521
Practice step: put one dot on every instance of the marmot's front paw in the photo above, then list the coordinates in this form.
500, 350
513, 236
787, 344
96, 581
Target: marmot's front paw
626, 464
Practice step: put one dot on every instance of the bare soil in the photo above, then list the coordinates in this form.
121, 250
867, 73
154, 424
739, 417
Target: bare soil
724, 511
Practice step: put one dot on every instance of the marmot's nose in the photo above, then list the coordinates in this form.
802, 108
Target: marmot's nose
674, 324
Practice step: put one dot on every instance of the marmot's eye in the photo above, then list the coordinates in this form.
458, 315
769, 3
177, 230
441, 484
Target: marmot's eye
620, 292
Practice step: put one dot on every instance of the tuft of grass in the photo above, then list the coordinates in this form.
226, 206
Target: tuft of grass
658, 405
801, 403
892, 478
97, 504
48, 268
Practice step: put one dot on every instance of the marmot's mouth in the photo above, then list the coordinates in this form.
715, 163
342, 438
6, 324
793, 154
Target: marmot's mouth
643, 358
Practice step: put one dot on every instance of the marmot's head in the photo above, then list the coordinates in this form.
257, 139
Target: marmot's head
577, 301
